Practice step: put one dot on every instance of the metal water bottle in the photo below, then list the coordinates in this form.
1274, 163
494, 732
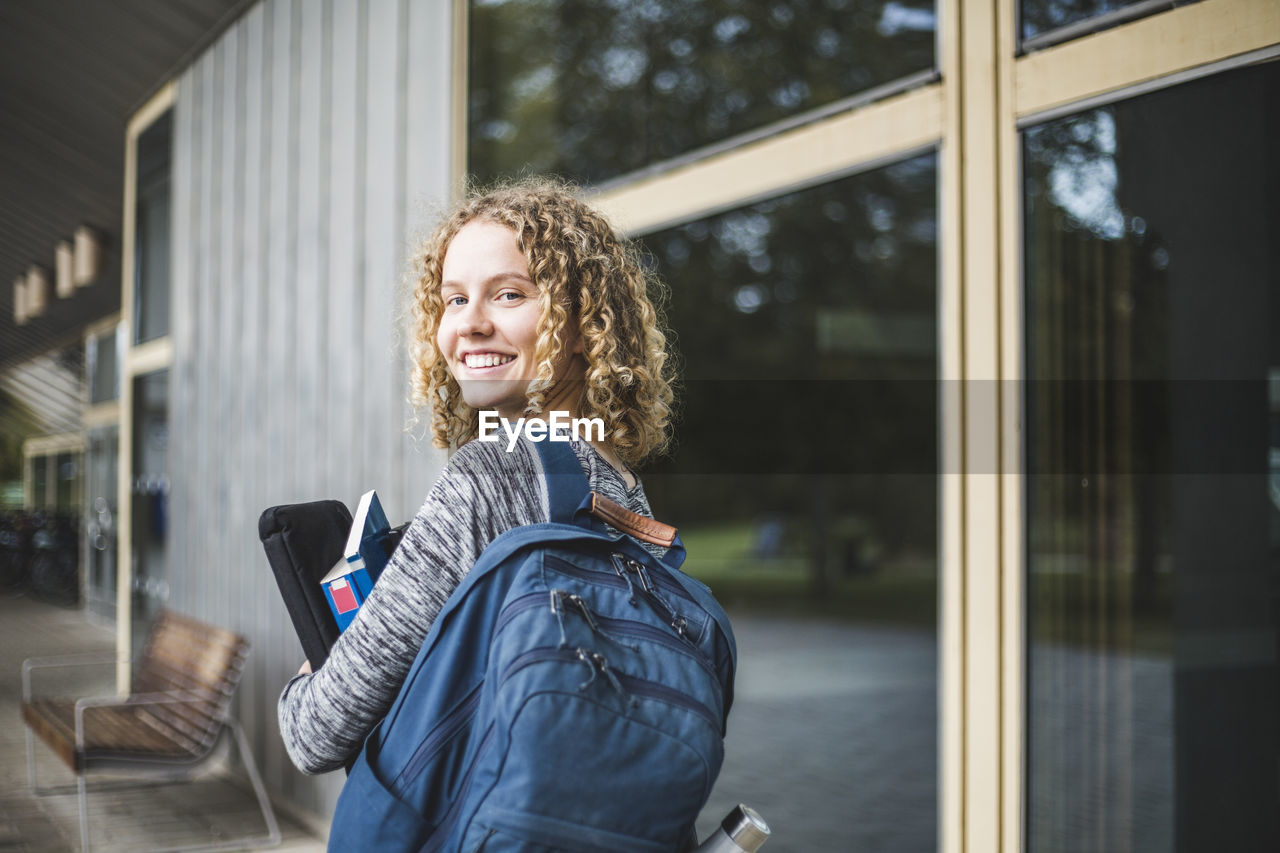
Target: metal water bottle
741, 831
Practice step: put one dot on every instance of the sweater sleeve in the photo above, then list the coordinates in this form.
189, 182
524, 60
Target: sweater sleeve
484, 491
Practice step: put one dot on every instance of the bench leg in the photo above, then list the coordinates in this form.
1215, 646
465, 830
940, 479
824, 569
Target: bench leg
84, 812
271, 839
259, 790
31, 760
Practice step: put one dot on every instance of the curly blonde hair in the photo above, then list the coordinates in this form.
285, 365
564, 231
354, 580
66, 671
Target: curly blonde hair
585, 273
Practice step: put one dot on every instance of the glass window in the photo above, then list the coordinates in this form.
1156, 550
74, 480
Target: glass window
1049, 21
102, 363
39, 482
67, 466
592, 90
1153, 501
804, 484
150, 497
151, 252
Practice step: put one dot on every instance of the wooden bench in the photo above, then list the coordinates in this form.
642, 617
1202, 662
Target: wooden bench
171, 721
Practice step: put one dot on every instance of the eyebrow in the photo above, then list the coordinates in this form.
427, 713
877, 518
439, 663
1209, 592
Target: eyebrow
490, 280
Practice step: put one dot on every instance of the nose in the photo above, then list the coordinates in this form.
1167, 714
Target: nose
474, 321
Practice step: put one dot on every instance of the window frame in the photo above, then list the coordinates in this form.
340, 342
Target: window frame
44, 451
137, 360
988, 88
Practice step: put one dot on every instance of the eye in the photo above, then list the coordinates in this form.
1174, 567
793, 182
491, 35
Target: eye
455, 300
510, 296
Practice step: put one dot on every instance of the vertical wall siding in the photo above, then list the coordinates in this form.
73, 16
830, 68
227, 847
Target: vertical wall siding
309, 140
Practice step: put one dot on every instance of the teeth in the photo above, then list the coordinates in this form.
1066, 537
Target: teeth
487, 360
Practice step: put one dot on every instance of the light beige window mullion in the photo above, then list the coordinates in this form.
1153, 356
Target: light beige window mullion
951, 532
860, 139
153, 355
102, 415
977, 60
1012, 481
461, 56
1143, 51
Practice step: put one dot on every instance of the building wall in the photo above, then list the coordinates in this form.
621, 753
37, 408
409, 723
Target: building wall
309, 142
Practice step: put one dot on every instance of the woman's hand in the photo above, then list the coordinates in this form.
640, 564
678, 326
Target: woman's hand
305, 669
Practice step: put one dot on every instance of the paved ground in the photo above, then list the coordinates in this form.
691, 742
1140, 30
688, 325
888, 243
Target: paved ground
832, 737
1101, 742
127, 819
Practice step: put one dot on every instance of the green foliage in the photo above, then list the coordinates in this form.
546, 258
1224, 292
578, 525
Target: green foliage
591, 90
900, 591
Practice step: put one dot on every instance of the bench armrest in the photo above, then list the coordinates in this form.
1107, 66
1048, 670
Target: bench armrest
64, 661
165, 698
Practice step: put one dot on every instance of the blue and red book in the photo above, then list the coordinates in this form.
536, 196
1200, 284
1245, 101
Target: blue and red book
368, 548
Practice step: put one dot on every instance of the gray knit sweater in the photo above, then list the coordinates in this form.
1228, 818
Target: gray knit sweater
483, 491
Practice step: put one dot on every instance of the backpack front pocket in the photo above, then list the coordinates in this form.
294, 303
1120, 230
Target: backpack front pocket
496, 830
603, 751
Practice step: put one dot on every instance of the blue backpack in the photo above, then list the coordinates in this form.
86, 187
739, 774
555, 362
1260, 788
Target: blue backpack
571, 695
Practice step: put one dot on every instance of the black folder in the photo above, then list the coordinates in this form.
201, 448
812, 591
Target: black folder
303, 542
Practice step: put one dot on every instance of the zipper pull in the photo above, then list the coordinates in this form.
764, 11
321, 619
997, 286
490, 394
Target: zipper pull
646, 583
580, 603
558, 610
602, 663
585, 609
620, 568
625, 566
585, 657
598, 664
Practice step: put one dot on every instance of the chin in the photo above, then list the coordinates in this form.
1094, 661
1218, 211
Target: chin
489, 398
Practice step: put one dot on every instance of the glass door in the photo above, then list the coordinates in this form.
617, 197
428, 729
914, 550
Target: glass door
150, 496
100, 513
1153, 566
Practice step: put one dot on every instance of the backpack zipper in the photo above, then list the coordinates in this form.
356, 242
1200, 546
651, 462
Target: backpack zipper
642, 631
604, 626
515, 608
442, 832
624, 569
628, 684
448, 727
563, 566
653, 690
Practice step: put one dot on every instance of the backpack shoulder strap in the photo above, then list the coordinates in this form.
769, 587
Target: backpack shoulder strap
567, 485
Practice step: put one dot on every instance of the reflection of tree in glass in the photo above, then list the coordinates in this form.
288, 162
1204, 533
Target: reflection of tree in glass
1097, 352
592, 90
1078, 170
808, 355
1040, 16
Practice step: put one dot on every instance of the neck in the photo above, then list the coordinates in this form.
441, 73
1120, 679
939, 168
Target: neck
566, 394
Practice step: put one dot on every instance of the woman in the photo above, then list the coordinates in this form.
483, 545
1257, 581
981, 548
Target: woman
526, 303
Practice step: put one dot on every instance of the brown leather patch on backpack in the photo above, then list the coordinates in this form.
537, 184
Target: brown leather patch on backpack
632, 523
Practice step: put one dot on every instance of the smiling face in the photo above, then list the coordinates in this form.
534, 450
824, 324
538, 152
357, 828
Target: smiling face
488, 331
